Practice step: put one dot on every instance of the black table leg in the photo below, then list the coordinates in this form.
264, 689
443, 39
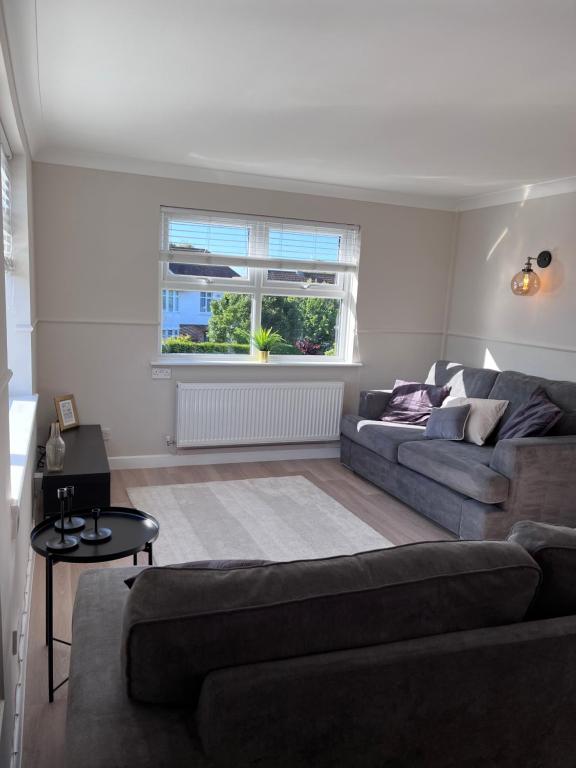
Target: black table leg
46, 611
149, 548
50, 627
135, 558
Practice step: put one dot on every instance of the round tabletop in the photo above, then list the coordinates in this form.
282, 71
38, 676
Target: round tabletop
131, 530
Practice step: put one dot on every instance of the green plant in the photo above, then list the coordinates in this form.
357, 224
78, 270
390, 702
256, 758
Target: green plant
265, 339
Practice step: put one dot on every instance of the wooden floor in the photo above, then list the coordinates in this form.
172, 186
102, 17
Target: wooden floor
43, 722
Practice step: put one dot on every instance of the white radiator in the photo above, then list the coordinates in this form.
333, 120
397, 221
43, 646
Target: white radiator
242, 414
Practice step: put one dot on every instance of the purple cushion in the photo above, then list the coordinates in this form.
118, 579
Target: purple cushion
534, 418
411, 402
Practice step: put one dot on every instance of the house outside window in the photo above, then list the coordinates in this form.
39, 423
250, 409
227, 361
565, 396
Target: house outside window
234, 274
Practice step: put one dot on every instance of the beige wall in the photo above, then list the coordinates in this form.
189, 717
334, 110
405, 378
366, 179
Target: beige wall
97, 234
490, 326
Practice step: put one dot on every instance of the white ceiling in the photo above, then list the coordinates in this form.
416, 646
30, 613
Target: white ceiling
442, 98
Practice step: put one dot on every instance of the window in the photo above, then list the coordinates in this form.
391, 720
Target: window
234, 274
205, 301
170, 301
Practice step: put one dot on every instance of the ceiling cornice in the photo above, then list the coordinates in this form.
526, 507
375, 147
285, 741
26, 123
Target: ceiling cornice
105, 162
518, 194
233, 178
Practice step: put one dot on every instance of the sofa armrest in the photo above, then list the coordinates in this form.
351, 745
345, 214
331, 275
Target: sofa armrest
373, 402
542, 476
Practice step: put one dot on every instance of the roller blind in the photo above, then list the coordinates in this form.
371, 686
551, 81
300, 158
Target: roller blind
206, 237
6, 211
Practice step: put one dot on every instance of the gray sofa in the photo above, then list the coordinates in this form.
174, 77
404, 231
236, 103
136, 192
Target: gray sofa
412, 657
477, 492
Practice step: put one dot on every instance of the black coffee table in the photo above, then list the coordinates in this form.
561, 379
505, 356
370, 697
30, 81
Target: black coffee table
133, 531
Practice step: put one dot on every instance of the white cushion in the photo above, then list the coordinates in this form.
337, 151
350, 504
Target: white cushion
484, 415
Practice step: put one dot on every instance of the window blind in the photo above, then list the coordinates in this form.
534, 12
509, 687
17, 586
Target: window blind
6, 211
205, 237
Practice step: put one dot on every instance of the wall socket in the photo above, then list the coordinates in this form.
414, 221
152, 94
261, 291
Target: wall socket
161, 373
106, 433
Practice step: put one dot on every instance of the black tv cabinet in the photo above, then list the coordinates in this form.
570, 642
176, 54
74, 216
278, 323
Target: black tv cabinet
85, 467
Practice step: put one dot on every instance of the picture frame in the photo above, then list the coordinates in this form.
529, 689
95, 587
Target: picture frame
67, 412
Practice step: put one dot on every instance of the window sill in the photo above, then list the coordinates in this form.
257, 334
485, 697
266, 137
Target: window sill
22, 419
171, 362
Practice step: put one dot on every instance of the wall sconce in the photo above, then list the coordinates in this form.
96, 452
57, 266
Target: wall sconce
527, 282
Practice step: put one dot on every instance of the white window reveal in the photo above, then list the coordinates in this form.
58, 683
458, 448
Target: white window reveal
6, 211
234, 274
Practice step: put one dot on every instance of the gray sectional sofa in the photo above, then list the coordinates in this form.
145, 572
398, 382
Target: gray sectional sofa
434, 655
477, 492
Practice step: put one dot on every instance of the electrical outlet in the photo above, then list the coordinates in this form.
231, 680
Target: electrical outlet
161, 373
105, 433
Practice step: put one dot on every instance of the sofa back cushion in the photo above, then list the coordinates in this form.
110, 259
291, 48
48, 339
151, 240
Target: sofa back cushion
180, 624
517, 388
553, 547
463, 381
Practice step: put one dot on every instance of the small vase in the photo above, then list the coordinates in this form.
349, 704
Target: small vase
262, 355
55, 449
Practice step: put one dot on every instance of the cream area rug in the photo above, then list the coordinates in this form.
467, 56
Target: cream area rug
272, 518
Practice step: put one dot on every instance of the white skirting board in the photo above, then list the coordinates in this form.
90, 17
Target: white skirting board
214, 456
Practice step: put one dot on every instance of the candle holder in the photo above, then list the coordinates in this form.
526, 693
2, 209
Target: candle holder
62, 543
97, 535
71, 523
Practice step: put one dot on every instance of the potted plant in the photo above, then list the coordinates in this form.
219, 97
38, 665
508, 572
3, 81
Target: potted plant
265, 339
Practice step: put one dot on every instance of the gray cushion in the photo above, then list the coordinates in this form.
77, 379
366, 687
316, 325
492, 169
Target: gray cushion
448, 423
460, 466
179, 624
517, 389
378, 436
554, 549
463, 381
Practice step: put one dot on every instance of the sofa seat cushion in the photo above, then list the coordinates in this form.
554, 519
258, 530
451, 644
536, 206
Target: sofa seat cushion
180, 624
463, 467
381, 437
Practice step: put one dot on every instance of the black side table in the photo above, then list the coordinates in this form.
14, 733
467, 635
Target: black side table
133, 531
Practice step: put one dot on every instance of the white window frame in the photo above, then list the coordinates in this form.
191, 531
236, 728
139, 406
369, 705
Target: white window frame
257, 285
206, 298
172, 300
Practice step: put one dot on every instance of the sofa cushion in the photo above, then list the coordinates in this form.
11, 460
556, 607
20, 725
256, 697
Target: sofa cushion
483, 419
517, 389
463, 467
411, 402
463, 381
378, 436
181, 624
553, 547
448, 423
534, 418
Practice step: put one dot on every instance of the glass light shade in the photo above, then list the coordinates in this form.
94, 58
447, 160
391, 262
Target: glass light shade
525, 283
